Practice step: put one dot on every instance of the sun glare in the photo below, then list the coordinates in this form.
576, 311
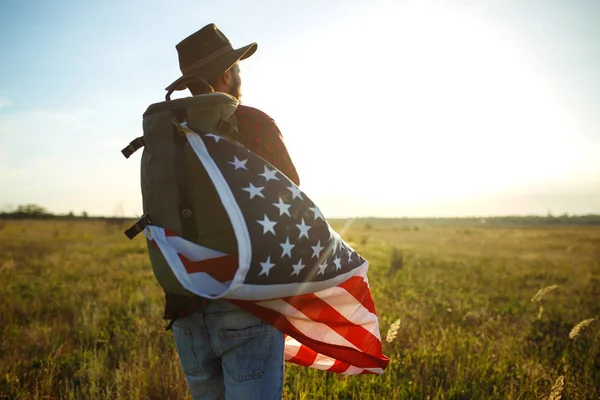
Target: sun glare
452, 109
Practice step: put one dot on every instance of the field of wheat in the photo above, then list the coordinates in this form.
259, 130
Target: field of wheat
475, 312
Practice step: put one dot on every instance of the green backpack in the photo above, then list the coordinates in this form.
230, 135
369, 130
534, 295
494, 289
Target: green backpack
177, 193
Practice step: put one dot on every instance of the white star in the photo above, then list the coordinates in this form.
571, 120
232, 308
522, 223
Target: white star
297, 268
283, 208
303, 229
267, 225
322, 268
268, 174
296, 192
266, 267
349, 251
317, 213
254, 191
337, 263
216, 137
238, 163
286, 248
317, 249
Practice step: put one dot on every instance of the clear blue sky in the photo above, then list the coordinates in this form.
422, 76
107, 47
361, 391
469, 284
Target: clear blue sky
389, 108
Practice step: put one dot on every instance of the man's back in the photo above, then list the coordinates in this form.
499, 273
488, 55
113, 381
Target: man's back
259, 134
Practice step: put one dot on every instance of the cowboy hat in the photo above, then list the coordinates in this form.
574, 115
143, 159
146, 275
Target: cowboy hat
207, 54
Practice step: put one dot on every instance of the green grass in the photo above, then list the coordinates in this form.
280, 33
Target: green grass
80, 314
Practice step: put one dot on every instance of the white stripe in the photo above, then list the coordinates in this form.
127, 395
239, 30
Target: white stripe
350, 308
233, 210
312, 329
158, 235
322, 362
192, 251
375, 370
200, 284
206, 284
292, 347
353, 370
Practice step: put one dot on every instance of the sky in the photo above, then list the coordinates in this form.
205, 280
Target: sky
388, 108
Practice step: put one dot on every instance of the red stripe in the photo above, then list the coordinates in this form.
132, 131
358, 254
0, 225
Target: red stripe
305, 356
344, 354
319, 310
338, 367
220, 268
359, 289
168, 232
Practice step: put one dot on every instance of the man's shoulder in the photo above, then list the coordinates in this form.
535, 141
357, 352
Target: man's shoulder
247, 111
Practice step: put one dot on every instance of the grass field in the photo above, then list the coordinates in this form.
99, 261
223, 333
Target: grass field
80, 314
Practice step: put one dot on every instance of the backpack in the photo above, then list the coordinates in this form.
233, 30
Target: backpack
177, 193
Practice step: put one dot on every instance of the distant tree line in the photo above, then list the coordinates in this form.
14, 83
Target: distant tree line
518, 220
34, 211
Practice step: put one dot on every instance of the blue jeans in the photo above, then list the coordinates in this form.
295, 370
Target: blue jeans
228, 353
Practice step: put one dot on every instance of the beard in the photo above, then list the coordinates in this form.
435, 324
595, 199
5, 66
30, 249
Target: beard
236, 87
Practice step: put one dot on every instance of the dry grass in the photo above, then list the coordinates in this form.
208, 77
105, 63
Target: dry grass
81, 315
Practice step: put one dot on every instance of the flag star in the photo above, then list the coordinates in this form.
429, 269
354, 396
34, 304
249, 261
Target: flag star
303, 229
237, 163
349, 251
254, 191
322, 268
216, 137
297, 268
337, 262
267, 225
296, 192
266, 267
317, 249
286, 248
317, 213
268, 174
283, 208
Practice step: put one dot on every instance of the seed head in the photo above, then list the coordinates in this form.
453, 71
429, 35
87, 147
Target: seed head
556, 391
540, 294
577, 328
393, 331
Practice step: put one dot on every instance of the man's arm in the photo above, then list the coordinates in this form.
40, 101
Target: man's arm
260, 134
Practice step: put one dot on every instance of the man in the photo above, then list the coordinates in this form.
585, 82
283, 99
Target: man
226, 352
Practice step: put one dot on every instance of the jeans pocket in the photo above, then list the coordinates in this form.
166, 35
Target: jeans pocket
248, 351
184, 340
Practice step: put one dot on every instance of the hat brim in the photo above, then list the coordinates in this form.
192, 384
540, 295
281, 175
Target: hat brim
216, 67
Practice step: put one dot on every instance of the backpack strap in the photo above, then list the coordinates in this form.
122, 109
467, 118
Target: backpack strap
139, 226
206, 87
186, 207
133, 146
225, 128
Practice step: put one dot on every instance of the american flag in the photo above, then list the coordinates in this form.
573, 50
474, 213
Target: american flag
292, 269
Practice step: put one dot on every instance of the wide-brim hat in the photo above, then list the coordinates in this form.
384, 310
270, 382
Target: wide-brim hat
207, 54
